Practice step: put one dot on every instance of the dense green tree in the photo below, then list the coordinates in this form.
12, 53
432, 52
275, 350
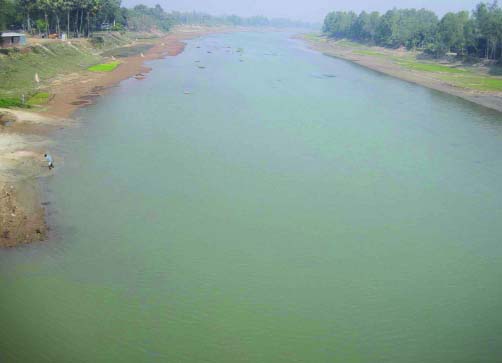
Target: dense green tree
82, 17
6, 11
365, 26
479, 34
451, 32
340, 24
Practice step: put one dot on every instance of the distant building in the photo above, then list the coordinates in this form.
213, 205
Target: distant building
12, 39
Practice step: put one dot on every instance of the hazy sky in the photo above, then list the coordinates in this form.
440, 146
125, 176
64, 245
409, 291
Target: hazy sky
310, 10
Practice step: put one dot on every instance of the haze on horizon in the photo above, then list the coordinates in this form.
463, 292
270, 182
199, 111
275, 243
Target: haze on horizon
312, 10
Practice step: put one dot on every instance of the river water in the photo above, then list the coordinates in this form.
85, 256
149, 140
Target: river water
291, 208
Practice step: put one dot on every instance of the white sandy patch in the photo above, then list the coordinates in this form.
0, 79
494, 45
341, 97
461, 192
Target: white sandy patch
20, 156
27, 116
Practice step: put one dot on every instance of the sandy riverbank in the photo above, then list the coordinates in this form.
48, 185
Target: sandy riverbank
384, 61
25, 136
23, 139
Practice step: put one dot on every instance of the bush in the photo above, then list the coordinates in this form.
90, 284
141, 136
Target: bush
118, 27
11, 102
41, 25
40, 98
104, 67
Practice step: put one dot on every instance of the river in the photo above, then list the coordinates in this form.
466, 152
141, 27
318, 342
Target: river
265, 204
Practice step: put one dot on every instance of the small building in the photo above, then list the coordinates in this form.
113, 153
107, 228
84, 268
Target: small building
12, 39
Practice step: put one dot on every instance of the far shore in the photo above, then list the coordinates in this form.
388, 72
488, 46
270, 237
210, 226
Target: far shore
25, 135
403, 65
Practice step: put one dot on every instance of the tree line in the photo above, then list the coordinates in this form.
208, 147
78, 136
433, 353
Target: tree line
80, 17
477, 34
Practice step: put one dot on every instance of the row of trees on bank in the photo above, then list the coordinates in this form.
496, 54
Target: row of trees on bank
76, 17
235, 20
477, 34
81, 17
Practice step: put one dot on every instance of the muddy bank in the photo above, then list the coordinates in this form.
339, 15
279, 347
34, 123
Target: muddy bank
386, 65
25, 135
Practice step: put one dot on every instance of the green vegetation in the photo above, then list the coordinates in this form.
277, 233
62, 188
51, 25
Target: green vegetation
38, 99
429, 67
369, 52
476, 35
104, 67
348, 44
312, 36
7, 8
473, 81
11, 102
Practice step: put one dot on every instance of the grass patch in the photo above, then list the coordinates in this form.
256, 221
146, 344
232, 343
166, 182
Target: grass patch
348, 44
11, 102
463, 78
429, 67
471, 81
40, 98
312, 36
369, 52
104, 67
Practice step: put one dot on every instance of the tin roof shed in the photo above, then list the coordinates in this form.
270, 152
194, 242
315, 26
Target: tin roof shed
10, 39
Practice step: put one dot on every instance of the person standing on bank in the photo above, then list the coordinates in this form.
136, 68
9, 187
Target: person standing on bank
50, 162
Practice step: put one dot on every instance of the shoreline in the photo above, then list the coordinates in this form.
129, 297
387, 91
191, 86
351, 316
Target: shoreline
25, 135
75, 91
387, 66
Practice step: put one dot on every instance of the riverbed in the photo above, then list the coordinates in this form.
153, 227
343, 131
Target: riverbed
251, 200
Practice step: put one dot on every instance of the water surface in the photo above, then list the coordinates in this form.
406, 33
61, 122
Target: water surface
291, 208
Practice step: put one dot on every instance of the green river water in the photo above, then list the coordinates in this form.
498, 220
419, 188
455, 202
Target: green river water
292, 208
